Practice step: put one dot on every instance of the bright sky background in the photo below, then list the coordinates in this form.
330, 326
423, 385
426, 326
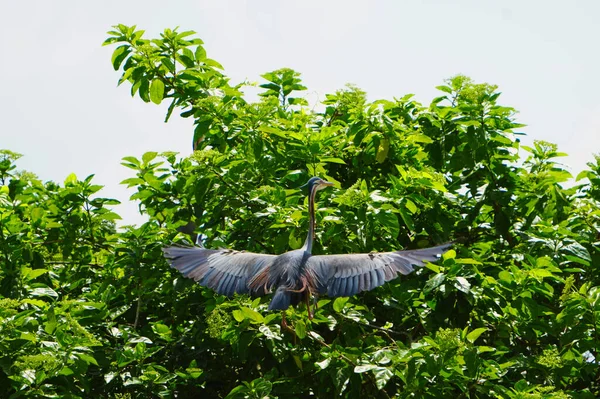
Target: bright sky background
60, 107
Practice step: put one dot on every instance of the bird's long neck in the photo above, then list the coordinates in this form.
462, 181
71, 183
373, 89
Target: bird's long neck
311, 228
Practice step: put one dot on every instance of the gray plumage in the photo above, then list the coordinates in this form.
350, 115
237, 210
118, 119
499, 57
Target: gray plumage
347, 275
226, 271
295, 275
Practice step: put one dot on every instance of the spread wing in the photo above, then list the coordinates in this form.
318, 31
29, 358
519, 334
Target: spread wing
347, 275
224, 270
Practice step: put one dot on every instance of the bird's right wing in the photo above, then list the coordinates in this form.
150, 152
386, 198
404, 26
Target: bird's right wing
224, 270
347, 275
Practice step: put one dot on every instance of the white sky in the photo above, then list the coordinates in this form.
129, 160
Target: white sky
60, 107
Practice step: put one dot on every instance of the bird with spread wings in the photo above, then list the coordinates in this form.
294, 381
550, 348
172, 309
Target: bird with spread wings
296, 275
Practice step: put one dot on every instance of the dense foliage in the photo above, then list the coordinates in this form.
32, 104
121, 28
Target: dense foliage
89, 310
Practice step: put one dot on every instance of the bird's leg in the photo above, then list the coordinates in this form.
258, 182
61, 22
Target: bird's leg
307, 301
316, 303
284, 323
285, 326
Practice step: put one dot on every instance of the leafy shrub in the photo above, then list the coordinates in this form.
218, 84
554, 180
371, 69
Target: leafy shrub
513, 311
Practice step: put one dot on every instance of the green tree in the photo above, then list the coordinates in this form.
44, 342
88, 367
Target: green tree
513, 311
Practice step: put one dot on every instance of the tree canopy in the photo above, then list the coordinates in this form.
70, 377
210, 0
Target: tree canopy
513, 311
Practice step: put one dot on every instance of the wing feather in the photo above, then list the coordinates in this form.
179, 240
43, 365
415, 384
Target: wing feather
343, 285
347, 275
223, 270
352, 284
361, 283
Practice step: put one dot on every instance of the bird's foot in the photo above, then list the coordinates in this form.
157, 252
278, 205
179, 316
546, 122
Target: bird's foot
284, 324
311, 314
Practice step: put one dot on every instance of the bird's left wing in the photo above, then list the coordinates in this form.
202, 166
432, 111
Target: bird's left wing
347, 275
224, 270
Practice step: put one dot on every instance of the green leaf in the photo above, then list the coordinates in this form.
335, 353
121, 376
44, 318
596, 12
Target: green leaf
32, 274
578, 251
462, 284
450, 254
577, 260
28, 336
382, 150
421, 138
364, 187
37, 302
467, 261
149, 156
364, 368
252, 315
213, 63
185, 34
271, 130
194, 372
435, 282
408, 220
71, 179
88, 359
340, 303
445, 89
473, 335
238, 315
382, 376
108, 377
389, 221
484, 349
133, 181
268, 332
200, 53
377, 197
201, 130
412, 208
157, 91
110, 216
505, 276
584, 174
540, 273
132, 160
168, 63
43, 291
522, 386
119, 56
300, 328
29, 376
51, 322
144, 86
332, 160
235, 392
324, 363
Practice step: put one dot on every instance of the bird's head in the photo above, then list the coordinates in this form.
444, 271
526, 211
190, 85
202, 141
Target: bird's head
317, 183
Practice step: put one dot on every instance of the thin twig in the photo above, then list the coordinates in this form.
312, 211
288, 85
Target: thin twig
386, 331
64, 262
138, 308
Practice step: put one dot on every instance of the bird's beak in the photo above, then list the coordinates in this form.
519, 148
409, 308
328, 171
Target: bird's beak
323, 184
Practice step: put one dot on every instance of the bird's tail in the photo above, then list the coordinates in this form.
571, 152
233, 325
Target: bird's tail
283, 298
